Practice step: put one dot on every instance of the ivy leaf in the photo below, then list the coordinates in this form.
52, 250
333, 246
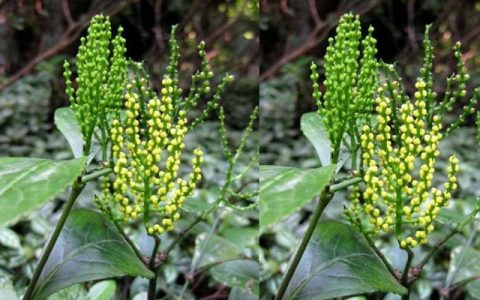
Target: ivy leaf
67, 124
7, 291
312, 127
104, 290
210, 250
240, 273
338, 262
241, 294
26, 183
9, 238
465, 266
88, 248
283, 190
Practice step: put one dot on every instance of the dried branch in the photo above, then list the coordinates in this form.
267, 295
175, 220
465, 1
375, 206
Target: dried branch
70, 35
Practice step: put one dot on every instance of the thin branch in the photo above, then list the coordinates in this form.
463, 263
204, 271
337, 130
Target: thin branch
435, 248
67, 13
381, 256
319, 33
152, 285
69, 36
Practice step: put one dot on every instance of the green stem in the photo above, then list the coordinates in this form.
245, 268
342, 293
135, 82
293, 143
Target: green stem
152, 284
76, 190
344, 184
95, 175
325, 198
405, 280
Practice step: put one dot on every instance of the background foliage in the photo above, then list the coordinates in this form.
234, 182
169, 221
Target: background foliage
290, 43
37, 36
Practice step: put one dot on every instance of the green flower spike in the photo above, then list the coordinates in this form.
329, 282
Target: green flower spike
102, 75
395, 198
350, 83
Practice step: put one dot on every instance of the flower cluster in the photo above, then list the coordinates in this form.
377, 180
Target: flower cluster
102, 75
351, 78
399, 167
147, 160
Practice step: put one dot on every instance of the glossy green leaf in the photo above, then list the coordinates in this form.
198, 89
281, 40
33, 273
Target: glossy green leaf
464, 266
76, 291
7, 291
26, 183
240, 273
312, 127
338, 262
241, 294
283, 190
67, 124
212, 249
9, 238
104, 290
89, 248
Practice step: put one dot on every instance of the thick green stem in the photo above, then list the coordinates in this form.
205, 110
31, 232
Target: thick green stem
76, 190
152, 284
325, 198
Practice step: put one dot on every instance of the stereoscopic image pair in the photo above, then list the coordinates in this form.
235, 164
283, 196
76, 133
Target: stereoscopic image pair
239, 149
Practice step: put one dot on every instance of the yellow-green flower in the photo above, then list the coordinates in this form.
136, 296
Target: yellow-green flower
147, 161
398, 157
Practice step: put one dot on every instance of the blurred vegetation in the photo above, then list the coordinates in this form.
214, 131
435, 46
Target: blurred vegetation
293, 33
36, 36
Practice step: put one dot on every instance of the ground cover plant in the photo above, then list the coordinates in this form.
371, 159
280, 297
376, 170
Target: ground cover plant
132, 142
381, 145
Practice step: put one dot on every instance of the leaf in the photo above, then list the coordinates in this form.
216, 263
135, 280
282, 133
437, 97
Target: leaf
312, 127
9, 238
284, 190
240, 273
7, 291
241, 294
104, 290
88, 248
338, 262
241, 236
67, 124
26, 183
76, 291
213, 249
465, 265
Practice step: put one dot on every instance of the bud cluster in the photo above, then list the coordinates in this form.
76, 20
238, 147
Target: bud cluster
351, 78
101, 80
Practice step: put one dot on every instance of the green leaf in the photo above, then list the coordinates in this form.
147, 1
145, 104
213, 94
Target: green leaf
240, 273
76, 291
67, 124
26, 183
465, 265
338, 262
241, 236
9, 238
213, 249
7, 291
312, 127
89, 248
104, 290
241, 294
284, 190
